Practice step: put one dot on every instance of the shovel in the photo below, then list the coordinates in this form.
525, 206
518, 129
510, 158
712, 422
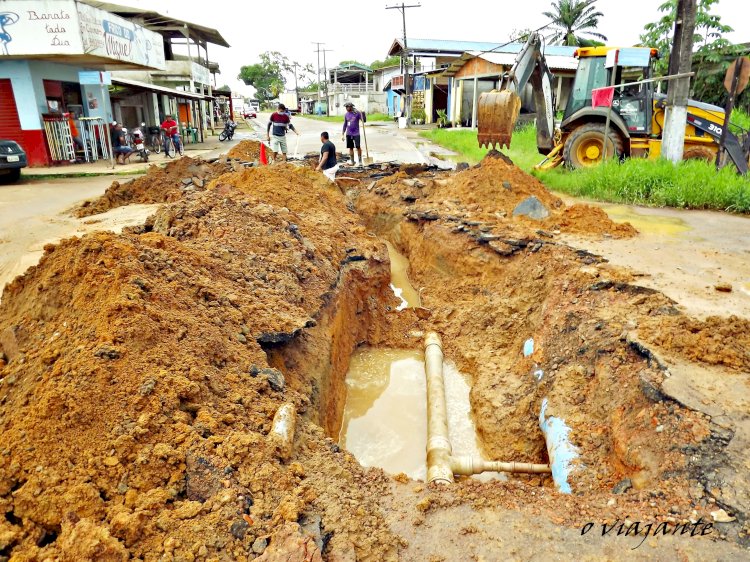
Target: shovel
367, 160
296, 149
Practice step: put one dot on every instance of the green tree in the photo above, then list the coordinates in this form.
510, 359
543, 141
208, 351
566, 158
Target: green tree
390, 61
270, 76
571, 17
712, 56
519, 35
348, 62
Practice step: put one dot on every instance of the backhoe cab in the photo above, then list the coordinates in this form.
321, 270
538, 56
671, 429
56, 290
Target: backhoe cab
636, 118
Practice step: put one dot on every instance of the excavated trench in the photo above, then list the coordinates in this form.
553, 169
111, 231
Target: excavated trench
142, 373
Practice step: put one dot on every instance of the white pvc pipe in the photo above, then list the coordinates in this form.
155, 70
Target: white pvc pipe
282, 430
441, 464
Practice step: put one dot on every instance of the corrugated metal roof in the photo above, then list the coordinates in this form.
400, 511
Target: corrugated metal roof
554, 62
159, 23
449, 46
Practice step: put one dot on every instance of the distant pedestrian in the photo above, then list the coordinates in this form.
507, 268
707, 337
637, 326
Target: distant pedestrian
328, 163
352, 119
171, 131
276, 130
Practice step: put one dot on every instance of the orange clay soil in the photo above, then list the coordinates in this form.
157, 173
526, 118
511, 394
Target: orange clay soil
137, 399
246, 150
141, 372
715, 341
158, 185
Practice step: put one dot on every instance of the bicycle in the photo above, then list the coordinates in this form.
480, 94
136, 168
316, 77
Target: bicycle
155, 140
170, 147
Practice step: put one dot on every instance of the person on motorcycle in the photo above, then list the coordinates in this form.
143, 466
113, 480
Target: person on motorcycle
170, 132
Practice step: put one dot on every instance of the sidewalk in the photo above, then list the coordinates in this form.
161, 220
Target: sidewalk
209, 148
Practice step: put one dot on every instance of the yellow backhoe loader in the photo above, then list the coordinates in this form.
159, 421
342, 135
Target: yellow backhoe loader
636, 119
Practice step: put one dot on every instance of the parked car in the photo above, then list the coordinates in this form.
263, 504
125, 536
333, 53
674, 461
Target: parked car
12, 159
249, 114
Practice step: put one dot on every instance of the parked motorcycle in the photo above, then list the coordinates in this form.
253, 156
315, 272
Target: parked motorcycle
228, 131
139, 142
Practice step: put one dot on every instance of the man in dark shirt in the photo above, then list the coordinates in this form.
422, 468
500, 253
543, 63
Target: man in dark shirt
327, 164
276, 130
120, 144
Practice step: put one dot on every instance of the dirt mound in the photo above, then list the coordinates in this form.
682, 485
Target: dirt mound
585, 219
246, 150
498, 185
492, 196
715, 341
138, 398
158, 185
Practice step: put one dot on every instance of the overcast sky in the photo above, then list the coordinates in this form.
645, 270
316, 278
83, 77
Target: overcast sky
364, 30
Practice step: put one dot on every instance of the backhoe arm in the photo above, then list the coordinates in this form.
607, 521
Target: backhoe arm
498, 111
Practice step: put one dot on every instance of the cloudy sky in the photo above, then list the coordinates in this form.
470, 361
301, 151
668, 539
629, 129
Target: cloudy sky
364, 30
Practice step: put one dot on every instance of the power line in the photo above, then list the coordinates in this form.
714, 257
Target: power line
405, 56
318, 50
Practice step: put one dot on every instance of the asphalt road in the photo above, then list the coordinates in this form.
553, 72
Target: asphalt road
384, 141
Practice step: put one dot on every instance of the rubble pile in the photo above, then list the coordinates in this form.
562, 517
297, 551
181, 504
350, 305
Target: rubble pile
245, 150
157, 185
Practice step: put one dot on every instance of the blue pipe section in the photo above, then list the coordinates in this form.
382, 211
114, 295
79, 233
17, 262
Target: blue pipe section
559, 448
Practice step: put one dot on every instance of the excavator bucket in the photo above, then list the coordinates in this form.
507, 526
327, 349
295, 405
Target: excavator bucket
497, 115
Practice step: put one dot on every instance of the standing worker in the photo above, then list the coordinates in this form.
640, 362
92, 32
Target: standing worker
280, 122
327, 163
352, 118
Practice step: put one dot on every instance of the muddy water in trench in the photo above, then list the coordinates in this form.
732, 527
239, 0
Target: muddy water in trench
400, 283
385, 417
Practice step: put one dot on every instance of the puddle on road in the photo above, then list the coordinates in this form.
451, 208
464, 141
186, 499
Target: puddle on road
385, 416
647, 224
400, 283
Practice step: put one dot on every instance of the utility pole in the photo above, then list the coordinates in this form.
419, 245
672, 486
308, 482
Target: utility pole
317, 80
681, 59
295, 65
325, 74
405, 56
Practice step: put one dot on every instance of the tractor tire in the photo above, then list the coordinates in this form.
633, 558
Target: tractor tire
699, 153
583, 147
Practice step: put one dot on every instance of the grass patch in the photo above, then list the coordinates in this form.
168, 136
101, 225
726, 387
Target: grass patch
659, 183
523, 150
693, 184
739, 121
340, 118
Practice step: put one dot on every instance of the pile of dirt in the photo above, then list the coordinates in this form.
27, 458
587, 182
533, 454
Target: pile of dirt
137, 397
140, 373
158, 185
246, 150
491, 196
585, 219
714, 341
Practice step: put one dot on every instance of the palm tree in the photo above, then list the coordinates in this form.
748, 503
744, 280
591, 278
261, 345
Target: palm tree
574, 16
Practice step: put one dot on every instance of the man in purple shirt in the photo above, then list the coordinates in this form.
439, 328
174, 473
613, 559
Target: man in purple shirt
352, 118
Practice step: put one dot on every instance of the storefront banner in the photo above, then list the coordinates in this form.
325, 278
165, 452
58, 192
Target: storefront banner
200, 73
39, 27
110, 36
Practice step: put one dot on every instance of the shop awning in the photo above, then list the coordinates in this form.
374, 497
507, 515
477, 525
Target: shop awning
157, 89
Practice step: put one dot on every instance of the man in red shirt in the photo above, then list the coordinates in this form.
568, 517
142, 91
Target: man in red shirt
276, 130
171, 131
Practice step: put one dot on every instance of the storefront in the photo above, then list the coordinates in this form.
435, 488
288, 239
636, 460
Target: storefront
135, 102
47, 44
